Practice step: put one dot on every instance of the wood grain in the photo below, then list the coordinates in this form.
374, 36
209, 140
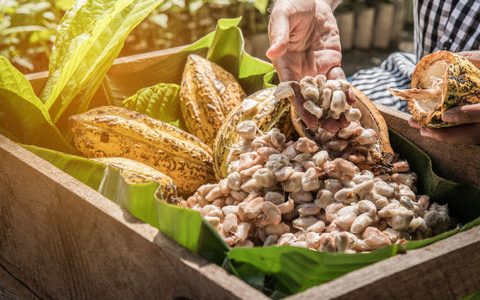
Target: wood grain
64, 240
11, 288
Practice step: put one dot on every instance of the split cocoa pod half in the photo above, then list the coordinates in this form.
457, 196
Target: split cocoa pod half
323, 100
207, 95
265, 111
440, 81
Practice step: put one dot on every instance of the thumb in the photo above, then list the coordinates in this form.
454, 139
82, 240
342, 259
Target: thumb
463, 114
278, 32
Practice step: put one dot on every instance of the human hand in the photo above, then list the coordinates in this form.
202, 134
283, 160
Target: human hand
466, 116
468, 131
305, 41
473, 56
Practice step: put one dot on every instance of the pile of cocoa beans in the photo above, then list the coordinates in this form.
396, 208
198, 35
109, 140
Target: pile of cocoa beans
316, 192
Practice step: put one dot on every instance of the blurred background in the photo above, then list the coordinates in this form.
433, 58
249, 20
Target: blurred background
370, 30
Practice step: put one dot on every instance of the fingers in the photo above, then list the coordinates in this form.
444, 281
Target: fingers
336, 73
327, 61
473, 56
278, 32
466, 134
351, 97
310, 120
333, 125
465, 114
287, 67
413, 124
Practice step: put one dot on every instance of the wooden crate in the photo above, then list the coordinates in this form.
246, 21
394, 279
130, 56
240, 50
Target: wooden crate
59, 239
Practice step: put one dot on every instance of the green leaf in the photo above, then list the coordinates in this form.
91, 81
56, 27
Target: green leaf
22, 115
261, 5
160, 101
88, 171
138, 199
295, 269
89, 38
186, 227
223, 46
472, 296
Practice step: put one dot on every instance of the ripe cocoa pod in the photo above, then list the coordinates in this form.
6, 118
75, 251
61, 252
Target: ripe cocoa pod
109, 131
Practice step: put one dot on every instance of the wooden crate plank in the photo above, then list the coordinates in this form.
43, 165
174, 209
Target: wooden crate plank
66, 241
456, 162
11, 288
448, 269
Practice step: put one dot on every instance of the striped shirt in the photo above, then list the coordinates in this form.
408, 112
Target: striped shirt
452, 25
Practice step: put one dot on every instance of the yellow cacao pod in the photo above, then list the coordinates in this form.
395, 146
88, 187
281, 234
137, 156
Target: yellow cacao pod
440, 81
110, 131
134, 172
207, 94
265, 110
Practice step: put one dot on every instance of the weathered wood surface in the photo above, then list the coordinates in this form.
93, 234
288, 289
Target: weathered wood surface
448, 269
456, 162
11, 288
63, 240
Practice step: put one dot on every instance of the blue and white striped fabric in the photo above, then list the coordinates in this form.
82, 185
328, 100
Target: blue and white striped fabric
452, 25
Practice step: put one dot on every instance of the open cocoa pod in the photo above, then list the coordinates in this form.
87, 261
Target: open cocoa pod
370, 118
440, 81
262, 108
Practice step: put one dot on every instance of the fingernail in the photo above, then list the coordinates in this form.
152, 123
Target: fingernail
449, 117
424, 132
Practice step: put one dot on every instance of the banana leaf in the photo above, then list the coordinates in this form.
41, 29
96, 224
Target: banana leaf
23, 117
160, 101
224, 46
472, 296
89, 38
138, 199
